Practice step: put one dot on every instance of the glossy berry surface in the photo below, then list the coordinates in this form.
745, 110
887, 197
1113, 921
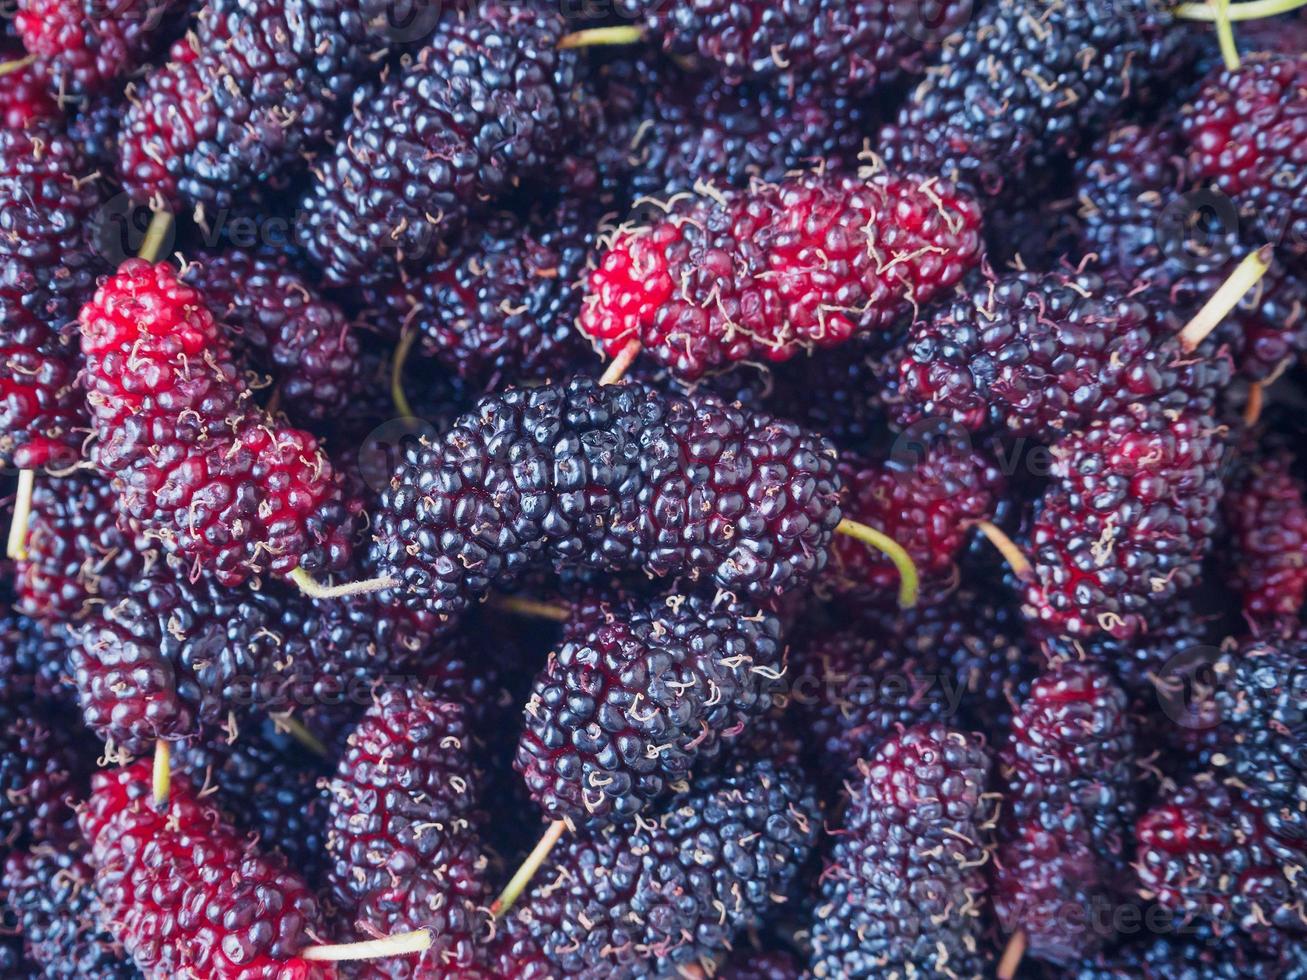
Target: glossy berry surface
778, 269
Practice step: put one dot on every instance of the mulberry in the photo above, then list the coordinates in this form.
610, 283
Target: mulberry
636, 695
282, 325
606, 478
404, 853
925, 499
500, 308
1021, 83
1041, 355
184, 893
1245, 134
50, 890
1064, 833
213, 479
1265, 509
770, 271
489, 101
1125, 523
679, 885
85, 47
844, 45
901, 894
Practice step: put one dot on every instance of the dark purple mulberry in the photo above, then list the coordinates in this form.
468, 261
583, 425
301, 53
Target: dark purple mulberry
613, 478
489, 101
901, 894
636, 696
1068, 811
626, 903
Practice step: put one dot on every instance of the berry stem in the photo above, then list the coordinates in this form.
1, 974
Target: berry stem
528, 869
284, 721
16, 547
1248, 10
9, 67
155, 236
909, 581
1012, 954
400, 944
315, 590
1225, 36
1252, 410
1248, 273
621, 34
397, 395
530, 608
1014, 556
620, 364
161, 777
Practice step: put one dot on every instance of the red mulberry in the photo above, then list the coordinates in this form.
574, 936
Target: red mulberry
24, 93
636, 695
84, 46
1126, 521
767, 272
1247, 134
184, 893
926, 499
1265, 510
197, 468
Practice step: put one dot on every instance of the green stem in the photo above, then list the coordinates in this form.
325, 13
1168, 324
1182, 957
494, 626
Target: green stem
16, 547
1225, 36
528, 869
397, 395
155, 236
909, 581
1247, 10
316, 590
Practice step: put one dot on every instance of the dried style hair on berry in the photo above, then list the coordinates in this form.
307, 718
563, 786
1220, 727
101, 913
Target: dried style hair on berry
637, 695
672, 890
1068, 774
902, 892
616, 478
24, 91
769, 272
490, 101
